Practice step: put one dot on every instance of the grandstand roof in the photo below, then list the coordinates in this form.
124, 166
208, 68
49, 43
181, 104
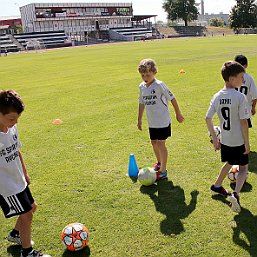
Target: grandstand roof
9, 17
142, 17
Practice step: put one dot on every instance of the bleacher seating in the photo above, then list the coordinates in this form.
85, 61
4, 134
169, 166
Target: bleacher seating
131, 33
48, 39
6, 44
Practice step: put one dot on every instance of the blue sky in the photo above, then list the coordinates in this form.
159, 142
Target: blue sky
11, 7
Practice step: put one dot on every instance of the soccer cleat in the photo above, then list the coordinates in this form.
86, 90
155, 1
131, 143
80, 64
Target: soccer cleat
157, 166
234, 203
35, 253
161, 175
16, 239
219, 191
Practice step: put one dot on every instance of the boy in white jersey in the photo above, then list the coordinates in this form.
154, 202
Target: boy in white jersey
15, 196
248, 87
233, 111
154, 97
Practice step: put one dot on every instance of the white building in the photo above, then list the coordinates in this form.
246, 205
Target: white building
76, 19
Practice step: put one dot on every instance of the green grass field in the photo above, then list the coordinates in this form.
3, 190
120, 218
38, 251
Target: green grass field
78, 169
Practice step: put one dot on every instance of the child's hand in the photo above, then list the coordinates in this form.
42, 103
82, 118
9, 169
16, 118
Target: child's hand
247, 149
216, 143
180, 118
139, 125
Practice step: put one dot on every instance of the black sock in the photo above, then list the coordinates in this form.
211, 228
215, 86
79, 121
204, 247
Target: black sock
26, 251
14, 233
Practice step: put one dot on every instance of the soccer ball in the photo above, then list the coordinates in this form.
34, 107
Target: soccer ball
233, 173
147, 176
75, 236
217, 131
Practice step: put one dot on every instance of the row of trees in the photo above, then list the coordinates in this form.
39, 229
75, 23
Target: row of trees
242, 15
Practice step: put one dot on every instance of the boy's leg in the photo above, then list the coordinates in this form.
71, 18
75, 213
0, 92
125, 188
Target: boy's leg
156, 149
162, 173
222, 175
163, 152
25, 221
234, 198
14, 235
217, 187
242, 175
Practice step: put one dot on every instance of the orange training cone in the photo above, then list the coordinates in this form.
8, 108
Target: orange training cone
57, 121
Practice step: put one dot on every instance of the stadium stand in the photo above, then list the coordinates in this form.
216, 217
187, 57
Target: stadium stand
6, 44
33, 41
48, 39
130, 34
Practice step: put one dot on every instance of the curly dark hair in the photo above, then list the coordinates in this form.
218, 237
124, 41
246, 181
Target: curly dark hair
10, 101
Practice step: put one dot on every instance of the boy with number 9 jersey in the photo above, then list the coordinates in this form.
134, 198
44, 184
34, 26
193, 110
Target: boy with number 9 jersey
233, 111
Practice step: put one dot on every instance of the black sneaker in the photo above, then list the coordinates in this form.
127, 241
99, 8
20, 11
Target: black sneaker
35, 253
234, 202
16, 239
219, 191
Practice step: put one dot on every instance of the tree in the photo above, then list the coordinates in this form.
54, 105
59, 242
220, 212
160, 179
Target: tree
244, 14
215, 22
181, 9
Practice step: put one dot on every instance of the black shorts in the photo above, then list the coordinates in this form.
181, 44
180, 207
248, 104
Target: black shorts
160, 133
17, 204
249, 121
234, 155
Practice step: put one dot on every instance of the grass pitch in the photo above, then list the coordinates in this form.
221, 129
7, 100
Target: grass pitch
78, 169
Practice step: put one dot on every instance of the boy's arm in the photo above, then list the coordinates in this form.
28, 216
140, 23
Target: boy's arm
141, 108
245, 129
254, 106
24, 169
179, 116
216, 142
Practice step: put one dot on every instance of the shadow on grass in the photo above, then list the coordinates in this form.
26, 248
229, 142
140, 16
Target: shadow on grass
221, 199
82, 253
247, 187
253, 162
246, 225
14, 250
170, 201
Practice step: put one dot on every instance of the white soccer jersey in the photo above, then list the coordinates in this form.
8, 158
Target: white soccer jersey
231, 106
12, 180
249, 88
156, 98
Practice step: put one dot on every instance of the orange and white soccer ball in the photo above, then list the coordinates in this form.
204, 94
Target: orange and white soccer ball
233, 173
75, 236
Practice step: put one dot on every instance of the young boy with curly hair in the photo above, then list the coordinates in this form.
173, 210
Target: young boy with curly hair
154, 97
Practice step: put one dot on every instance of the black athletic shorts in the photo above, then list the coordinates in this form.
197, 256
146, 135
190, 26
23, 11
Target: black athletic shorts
17, 204
234, 155
249, 121
160, 133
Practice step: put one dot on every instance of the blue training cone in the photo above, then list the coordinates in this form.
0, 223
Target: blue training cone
132, 167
